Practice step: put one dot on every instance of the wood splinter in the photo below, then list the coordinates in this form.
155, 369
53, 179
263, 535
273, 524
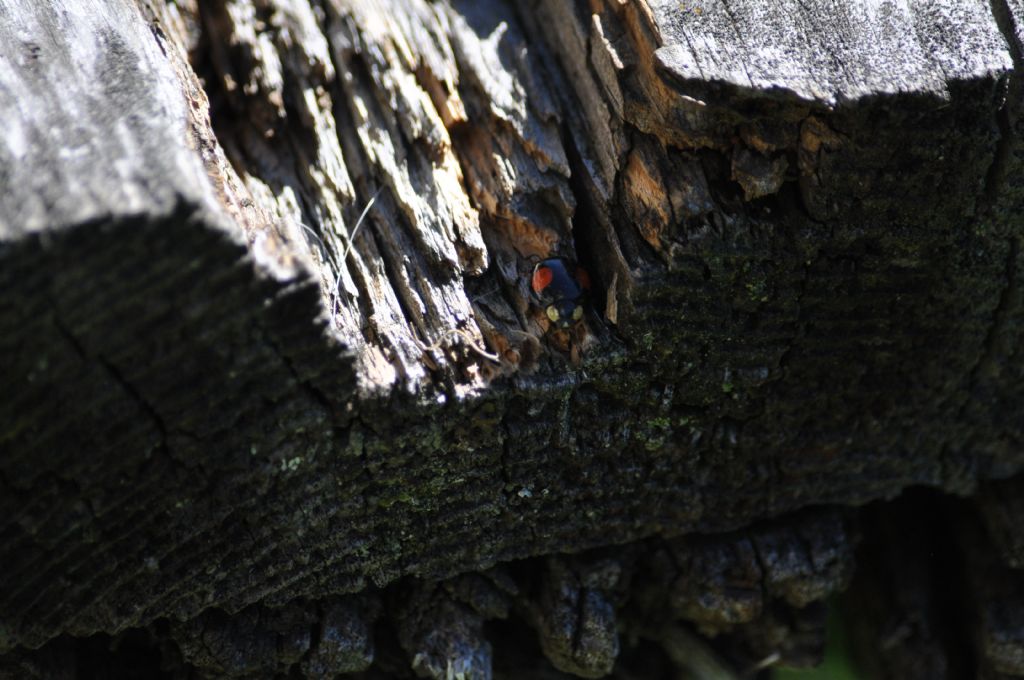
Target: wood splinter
470, 342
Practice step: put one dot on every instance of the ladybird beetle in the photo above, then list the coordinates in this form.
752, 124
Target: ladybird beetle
560, 285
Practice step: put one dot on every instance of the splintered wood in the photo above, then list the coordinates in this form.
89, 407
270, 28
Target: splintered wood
464, 122
443, 115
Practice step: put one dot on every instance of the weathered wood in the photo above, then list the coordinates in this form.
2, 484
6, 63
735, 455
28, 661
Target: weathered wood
802, 223
600, 614
839, 54
94, 118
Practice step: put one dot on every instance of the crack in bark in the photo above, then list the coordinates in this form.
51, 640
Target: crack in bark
119, 379
316, 395
148, 408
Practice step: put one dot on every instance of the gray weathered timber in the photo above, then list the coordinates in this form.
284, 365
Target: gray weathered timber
829, 52
95, 122
801, 222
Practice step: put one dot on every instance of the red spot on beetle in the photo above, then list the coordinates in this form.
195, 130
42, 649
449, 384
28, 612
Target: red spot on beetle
542, 277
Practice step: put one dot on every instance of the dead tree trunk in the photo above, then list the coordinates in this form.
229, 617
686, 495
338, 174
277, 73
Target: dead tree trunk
273, 370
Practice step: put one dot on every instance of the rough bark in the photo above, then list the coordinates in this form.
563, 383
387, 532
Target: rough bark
224, 395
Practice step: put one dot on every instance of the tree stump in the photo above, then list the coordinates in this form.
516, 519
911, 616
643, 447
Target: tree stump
279, 396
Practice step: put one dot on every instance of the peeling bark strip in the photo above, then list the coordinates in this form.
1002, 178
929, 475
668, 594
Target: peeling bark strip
804, 290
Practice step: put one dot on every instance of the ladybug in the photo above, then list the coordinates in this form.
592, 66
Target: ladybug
560, 285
